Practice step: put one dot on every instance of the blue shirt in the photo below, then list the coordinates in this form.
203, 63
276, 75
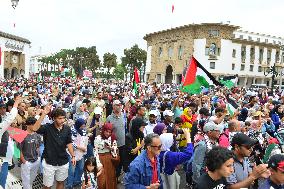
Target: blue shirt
173, 159
267, 184
140, 173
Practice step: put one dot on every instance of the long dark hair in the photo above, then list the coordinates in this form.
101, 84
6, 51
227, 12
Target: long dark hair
90, 161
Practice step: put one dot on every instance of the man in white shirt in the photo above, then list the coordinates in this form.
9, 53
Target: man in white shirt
151, 123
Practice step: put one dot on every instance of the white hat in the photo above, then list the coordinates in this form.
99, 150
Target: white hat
168, 113
116, 102
98, 110
153, 112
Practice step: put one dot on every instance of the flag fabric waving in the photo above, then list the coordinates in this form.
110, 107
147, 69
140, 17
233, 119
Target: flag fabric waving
232, 106
136, 80
173, 8
17, 134
229, 81
197, 78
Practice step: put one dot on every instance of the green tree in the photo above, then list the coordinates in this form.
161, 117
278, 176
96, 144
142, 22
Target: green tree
119, 71
134, 57
109, 62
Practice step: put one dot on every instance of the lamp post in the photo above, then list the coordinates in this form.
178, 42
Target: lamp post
14, 3
275, 70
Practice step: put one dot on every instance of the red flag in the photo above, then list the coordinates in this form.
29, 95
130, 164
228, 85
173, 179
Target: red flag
17, 134
173, 8
0, 55
191, 72
136, 76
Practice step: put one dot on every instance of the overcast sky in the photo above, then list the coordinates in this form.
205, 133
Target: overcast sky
113, 25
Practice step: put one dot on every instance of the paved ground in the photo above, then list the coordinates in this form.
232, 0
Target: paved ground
14, 181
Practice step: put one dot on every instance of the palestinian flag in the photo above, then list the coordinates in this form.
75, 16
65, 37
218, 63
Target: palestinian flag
197, 78
229, 81
136, 80
232, 106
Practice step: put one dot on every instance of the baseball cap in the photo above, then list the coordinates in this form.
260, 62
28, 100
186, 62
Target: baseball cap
153, 112
242, 139
276, 162
138, 121
98, 110
168, 113
116, 102
210, 126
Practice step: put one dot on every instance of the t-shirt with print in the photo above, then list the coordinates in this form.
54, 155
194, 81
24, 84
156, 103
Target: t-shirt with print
30, 147
92, 178
206, 182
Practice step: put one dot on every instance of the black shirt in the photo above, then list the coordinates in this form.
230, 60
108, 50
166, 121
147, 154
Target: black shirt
55, 144
206, 182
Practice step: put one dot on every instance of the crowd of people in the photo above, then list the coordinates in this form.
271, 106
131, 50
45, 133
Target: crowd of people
95, 134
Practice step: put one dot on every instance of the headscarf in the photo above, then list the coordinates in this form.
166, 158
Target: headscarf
187, 120
78, 123
243, 115
105, 127
158, 129
167, 140
135, 130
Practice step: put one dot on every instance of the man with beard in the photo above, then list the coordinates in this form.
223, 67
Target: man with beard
151, 123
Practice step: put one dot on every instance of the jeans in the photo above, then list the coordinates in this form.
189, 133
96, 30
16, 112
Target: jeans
90, 151
75, 173
3, 174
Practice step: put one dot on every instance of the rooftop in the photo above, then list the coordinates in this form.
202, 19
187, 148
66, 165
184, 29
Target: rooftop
14, 37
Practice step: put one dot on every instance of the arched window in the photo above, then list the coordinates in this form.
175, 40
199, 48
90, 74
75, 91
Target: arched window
180, 52
170, 52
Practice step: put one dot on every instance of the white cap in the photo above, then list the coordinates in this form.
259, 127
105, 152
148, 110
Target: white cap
153, 112
116, 102
168, 113
98, 110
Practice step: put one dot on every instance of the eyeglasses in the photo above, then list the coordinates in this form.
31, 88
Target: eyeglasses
158, 147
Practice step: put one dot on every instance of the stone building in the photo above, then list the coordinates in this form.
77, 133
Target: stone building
223, 49
14, 56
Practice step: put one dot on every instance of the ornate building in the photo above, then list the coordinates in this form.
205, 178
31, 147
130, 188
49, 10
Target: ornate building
222, 49
14, 59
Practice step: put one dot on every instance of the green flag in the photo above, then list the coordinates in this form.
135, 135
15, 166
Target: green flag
17, 152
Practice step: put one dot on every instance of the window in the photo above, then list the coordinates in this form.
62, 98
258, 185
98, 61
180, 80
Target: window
218, 51
251, 68
249, 38
243, 54
233, 66
180, 52
207, 51
279, 43
213, 33
252, 54
260, 55
259, 69
242, 67
274, 42
258, 39
268, 56
266, 40
170, 52
277, 57
234, 53
147, 77
241, 36
282, 57
212, 65
160, 51
159, 77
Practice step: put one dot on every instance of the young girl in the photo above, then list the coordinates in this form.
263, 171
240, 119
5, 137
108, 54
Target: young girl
89, 177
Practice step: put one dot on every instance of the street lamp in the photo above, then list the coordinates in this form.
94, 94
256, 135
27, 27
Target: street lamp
275, 70
14, 3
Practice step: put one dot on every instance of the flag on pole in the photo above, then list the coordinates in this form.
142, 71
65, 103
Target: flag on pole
136, 80
173, 8
197, 78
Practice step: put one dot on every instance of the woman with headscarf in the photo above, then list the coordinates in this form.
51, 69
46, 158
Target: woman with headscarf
81, 112
134, 141
276, 116
80, 141
169, 160
105, 147
160, 128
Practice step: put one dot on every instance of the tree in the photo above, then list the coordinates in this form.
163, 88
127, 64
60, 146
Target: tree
119, 71
134, 57
109, 62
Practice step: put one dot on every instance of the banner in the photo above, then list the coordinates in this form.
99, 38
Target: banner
87, 73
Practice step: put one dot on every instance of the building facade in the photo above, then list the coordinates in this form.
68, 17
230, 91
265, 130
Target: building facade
14, 59
222, 49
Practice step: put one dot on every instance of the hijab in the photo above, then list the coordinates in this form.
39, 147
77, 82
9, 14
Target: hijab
108, 127
158, 129
167, 140
78, 123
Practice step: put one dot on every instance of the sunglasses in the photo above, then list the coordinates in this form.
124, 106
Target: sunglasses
158, 147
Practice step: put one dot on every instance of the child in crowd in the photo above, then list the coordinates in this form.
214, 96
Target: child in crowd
89, 177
